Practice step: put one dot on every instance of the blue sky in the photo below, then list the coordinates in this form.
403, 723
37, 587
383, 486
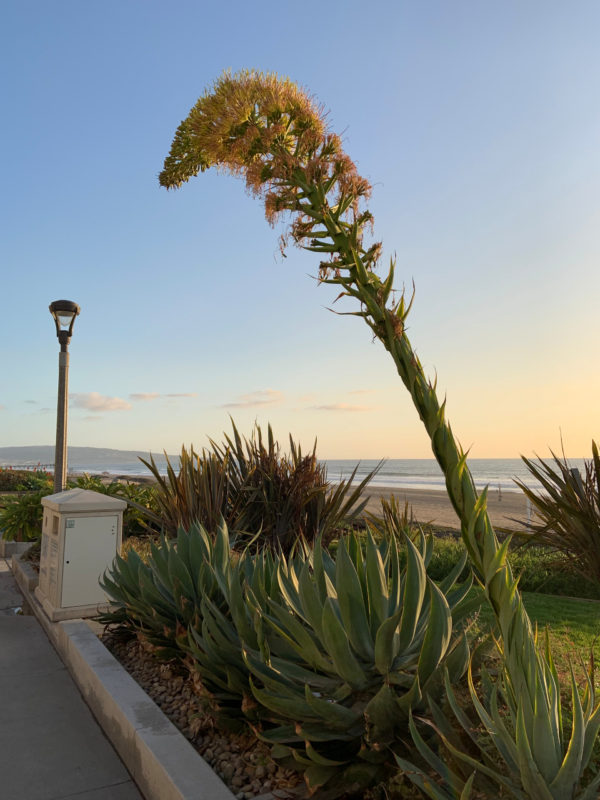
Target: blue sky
478, 125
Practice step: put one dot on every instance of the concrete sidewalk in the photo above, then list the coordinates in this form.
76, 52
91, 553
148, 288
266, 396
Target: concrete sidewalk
51, 747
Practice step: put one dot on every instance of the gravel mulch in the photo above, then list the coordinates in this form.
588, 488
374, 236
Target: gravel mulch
241, 761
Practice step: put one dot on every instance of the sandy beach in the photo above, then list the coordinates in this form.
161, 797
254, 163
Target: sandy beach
428, 505
435, 507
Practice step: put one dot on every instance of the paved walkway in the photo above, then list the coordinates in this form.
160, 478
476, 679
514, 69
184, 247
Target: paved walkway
51, 747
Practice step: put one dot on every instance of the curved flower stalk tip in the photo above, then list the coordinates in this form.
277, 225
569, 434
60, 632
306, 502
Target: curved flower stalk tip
269, 131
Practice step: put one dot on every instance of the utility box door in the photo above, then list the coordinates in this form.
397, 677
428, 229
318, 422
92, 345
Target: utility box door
90, 548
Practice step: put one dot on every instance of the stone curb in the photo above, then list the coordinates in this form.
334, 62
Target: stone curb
161, 761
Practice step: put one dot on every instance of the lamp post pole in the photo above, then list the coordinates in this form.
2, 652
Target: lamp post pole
64, 313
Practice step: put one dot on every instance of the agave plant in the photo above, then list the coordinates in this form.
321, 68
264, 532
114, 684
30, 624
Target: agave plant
270, 131
325, 656
510, 765
160, 597
353, 645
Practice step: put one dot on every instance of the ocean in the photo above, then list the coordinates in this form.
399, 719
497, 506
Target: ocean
424, 473
407, 473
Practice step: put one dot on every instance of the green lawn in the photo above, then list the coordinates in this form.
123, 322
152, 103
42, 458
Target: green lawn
573, 625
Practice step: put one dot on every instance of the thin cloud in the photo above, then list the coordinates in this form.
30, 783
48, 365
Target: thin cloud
93, 418
2, 408
341, 407
362, 391
45, 410
144, 396
94, 401
265, 397
31, 402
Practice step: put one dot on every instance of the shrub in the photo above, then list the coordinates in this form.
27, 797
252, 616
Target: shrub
569, 507
21, 517
21, 480
540, 568
259, 492
141, 500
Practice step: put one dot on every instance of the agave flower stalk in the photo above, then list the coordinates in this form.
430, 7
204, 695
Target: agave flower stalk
271, 132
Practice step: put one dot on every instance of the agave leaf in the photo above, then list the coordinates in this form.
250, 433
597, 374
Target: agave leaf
312, 604
317, 776
181, 580
410, 699
377, 588
382, 715
335, 642
422, 781
591, 732
415, 583
222, 550
502, 738
238, 608
360, 774
545, 741
317, 758
320, 733
289, 707
385, 652
497, 561
289, 587
533, 781
281, 735
498, 777
395, 577
437, 636
299, 637
434, 761
457, 659
335, 715
351, 604
567, 776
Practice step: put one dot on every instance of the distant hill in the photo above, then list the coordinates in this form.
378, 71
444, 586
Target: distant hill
88, 457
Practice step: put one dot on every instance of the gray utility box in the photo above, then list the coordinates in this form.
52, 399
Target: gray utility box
81, 535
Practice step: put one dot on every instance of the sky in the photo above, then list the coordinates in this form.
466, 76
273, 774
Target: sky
478, 125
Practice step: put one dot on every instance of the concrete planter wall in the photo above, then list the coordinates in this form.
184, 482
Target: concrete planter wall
8, 549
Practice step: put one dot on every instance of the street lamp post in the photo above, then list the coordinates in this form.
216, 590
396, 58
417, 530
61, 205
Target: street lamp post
64, 313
